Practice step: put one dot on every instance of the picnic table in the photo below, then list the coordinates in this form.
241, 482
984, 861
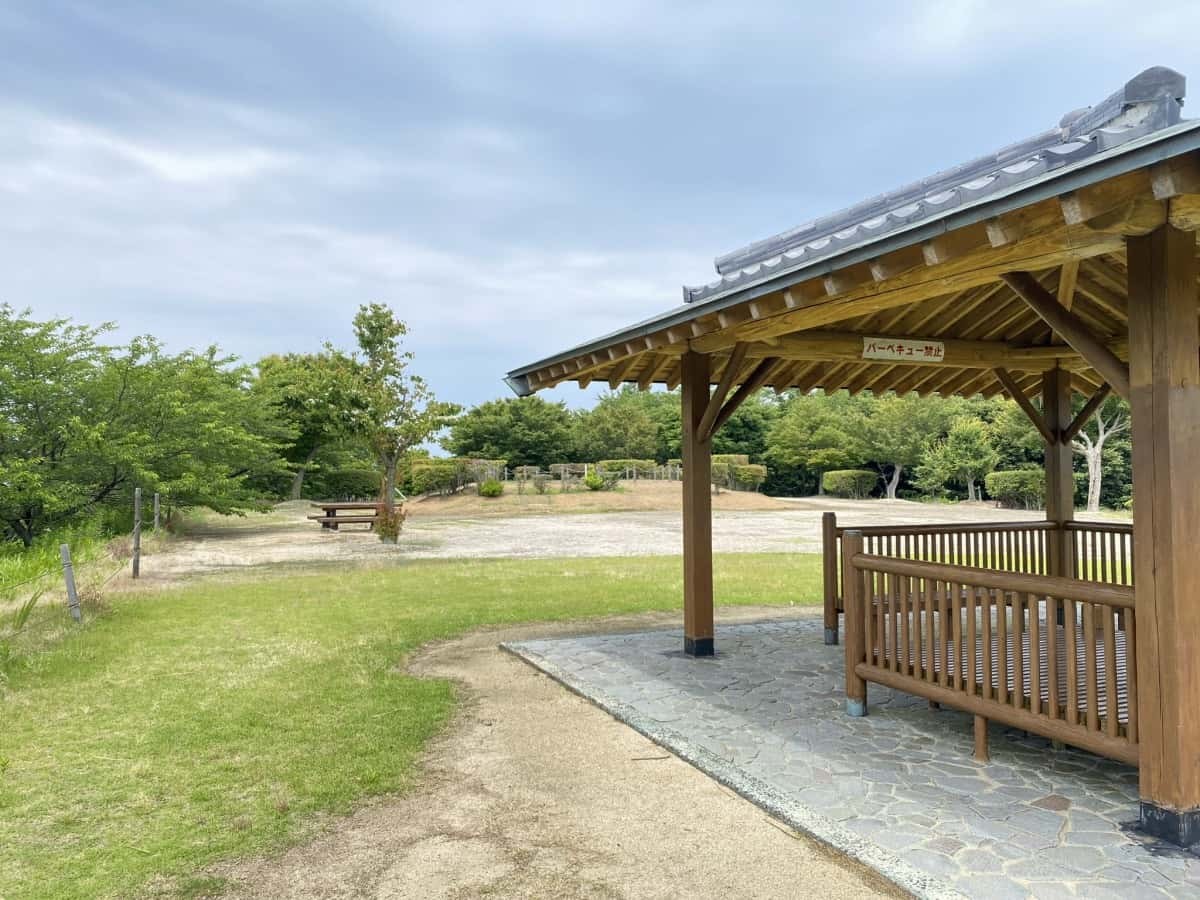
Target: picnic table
355, 512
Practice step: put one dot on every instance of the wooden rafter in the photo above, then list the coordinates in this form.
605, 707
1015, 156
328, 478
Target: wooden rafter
1068, 273
718, 396
1072, 329
762, 372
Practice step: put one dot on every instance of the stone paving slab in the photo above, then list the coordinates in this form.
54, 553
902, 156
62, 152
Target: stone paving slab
897, 790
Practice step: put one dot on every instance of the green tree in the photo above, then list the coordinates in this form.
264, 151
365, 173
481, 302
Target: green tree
896, 431
817, 432
317, 395
747, 429
82, 423
965, 457
400, 408
620, 426
524, 431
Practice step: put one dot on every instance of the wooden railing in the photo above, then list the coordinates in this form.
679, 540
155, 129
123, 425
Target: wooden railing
1050, 655
1099, 552
1102, 551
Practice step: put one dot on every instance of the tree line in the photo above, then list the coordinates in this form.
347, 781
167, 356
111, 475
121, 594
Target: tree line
915, 447
84, 421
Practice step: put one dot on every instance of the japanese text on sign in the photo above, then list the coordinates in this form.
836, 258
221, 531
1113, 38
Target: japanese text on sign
903, 350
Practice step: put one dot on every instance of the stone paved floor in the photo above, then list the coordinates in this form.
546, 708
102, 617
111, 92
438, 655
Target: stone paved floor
897, 789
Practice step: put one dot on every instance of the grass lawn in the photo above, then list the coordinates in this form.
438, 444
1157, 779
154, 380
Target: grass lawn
217, 719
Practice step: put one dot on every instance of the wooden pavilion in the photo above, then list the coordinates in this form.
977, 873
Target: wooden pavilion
1063, 263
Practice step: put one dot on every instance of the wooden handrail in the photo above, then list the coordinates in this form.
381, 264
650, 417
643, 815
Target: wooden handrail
1115, 596
1108, 527
988, 528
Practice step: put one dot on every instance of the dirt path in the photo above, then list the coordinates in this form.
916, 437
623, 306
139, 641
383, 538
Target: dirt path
533, 792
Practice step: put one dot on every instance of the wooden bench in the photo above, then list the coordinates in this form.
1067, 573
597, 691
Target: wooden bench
359, 513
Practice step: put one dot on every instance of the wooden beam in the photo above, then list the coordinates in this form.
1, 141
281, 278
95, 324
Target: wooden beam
1014, 390
1089, 409
756, 380
1072, 330
1060, 482
718, 396
621, 370
697, 510
1068, 273
1165, 373
849, 346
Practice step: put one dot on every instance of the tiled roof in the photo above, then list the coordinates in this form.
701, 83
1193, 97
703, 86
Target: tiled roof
1147, 103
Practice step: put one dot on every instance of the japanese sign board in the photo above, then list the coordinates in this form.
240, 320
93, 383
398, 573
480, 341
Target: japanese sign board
903, 349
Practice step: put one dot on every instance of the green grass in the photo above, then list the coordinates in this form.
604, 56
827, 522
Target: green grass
220, 719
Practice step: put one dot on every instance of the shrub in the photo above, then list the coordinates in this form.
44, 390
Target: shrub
493, 488
593, 482
1017, 488
388, 522
731, 459
853, 483
749, 477
443, 476
540, 483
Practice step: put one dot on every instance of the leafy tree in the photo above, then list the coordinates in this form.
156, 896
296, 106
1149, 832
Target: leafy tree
524, 431
400, 409
1016, 440
620, 426
817, 432
747, 429
317, 395
965, 456
896, 431
82, 423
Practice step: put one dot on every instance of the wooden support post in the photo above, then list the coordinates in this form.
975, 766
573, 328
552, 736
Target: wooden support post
697, 510
157, 509
856, 647
829, 551
1060, 481
1165, 380
64, 552
981, 739
137, 532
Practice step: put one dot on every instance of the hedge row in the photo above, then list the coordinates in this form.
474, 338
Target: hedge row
853, 483
641, 466
1017, 488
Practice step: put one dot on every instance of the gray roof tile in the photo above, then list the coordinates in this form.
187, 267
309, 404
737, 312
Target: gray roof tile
1146, 103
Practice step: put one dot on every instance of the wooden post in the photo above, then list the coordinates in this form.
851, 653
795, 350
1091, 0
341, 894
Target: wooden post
981, 739
137, 532
829, 553
1165, 385
1060, 480
64, 552
156, 510
856, 650
697, 510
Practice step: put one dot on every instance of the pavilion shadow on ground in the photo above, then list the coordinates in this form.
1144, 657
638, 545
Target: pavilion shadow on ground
897, 790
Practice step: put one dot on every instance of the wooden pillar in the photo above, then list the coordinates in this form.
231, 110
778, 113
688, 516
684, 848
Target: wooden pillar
1060, 481
697, 510
1165, 401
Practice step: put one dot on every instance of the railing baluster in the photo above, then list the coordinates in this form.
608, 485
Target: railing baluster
956, 606
972, 643
930, 639
1034, 605
1002, 650
905, 649
1018, 651
1131, 726
1053, 681
985, 619
1072, 655
893, 652
1112, 713
1089, 661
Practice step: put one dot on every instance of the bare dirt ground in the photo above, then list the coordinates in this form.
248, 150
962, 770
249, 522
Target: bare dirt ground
285, 537
533, 792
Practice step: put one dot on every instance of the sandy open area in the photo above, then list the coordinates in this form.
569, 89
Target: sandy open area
285, 537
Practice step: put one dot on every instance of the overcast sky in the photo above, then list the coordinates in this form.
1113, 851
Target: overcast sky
513, 178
